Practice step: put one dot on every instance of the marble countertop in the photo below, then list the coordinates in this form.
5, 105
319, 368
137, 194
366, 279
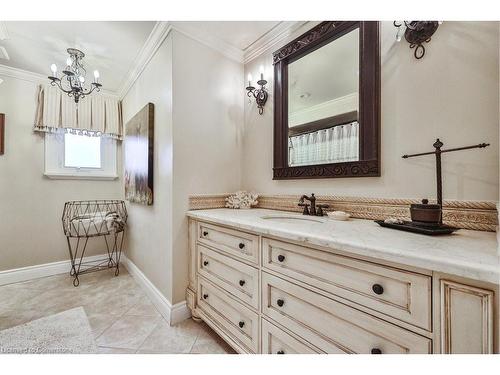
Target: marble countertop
465, 253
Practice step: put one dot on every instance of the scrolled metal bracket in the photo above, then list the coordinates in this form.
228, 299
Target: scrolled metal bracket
416, 34
260, 95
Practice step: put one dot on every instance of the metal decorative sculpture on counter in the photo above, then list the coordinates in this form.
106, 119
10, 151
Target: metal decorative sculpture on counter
428, 218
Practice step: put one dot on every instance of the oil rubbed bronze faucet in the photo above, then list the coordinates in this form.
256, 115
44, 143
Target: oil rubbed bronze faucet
315, 210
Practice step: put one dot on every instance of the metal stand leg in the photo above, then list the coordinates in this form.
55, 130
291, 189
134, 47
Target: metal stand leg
77, 253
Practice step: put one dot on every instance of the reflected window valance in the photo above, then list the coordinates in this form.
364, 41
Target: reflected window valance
96, 114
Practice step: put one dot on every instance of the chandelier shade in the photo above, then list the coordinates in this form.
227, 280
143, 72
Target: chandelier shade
72, 79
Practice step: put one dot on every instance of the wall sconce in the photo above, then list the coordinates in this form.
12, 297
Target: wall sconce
260, 95
416, 33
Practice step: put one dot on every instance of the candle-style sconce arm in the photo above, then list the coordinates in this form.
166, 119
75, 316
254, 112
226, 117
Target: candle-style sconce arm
439, 179
260, 94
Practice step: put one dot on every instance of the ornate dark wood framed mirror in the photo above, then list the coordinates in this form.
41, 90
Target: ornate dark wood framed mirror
327, 103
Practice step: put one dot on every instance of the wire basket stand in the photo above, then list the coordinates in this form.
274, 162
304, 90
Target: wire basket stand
83, 220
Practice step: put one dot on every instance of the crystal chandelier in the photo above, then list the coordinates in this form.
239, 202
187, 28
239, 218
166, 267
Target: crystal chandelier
72, 80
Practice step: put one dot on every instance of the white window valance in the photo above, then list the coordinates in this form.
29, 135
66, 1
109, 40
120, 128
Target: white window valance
97, 113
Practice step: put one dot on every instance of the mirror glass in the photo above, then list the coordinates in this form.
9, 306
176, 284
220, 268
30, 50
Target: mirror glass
323, 104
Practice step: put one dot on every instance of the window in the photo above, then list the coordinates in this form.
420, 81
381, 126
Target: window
72, 155
81, 151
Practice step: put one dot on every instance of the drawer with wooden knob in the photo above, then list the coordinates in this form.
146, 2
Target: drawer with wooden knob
400, 294
237, 320
241, 245
239, 279
277, 341
332, 326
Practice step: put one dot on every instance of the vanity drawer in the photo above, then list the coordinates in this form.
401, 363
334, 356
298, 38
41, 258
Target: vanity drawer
239, 244
238, 321
239, 279
276, 341
332, 326
400, 294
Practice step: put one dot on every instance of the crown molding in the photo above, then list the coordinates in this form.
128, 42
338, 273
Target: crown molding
159, 33
155, 39
25, 75
4, 34
211, 41
163, 28
273, 37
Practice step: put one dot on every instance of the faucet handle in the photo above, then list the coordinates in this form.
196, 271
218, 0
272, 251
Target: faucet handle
306, 208
319, 209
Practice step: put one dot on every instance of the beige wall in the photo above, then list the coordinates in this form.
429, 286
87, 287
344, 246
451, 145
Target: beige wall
149, 236
31, 205
452, 93
198, 125
207, 129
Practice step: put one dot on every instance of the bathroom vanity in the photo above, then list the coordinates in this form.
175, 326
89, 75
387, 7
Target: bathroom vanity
275, 282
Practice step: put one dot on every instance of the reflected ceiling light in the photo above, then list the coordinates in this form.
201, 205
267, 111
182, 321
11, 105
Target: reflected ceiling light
72, 80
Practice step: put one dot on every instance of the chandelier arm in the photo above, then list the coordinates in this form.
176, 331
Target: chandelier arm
58, 84
91, 90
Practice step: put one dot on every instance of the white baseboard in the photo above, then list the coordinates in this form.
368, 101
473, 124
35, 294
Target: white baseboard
42, 270
172, 313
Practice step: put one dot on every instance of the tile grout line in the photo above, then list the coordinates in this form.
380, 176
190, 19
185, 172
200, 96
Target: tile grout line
160, 319
117, 318
195, 340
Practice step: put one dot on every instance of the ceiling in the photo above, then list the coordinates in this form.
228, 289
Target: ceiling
239, 34
110, 47
113, 47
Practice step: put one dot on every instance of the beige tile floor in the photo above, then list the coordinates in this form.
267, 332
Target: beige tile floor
122, 318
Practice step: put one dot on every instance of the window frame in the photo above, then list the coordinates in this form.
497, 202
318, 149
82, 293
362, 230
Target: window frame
55, 166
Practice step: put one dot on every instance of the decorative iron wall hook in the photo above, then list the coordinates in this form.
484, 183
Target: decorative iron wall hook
416, 33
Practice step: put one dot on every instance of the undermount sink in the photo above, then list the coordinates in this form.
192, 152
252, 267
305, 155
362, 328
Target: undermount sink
294, 219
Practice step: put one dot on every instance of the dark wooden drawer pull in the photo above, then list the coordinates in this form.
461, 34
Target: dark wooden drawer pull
280, 352
242, 282
377, 289
241, 245
205, 296
241, 324
281, 258
205, 234
376, 351
205, 263
280, 302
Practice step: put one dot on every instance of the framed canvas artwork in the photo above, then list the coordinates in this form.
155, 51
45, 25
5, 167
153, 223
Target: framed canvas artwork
138, 142
2, 133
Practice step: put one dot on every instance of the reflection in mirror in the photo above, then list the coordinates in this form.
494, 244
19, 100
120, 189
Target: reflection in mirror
323, 104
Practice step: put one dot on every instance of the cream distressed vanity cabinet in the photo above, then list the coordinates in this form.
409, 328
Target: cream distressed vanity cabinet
270, 294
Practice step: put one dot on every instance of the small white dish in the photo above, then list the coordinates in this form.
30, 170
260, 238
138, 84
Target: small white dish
339, 215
